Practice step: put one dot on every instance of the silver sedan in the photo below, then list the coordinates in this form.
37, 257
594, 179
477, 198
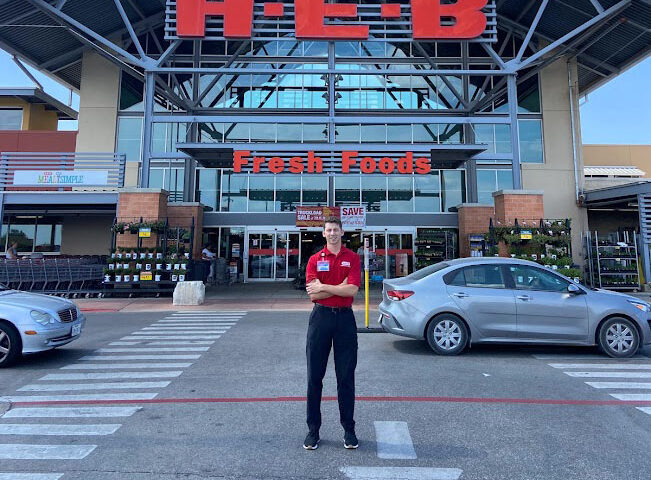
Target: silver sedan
31, 322
497, 300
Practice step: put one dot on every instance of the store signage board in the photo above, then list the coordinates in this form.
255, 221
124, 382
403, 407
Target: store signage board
144, 232
352, 217
351, 162
144, 276
525, 235
61, 178
318, 20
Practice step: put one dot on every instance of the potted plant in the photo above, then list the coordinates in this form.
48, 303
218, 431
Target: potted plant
110, 263
134, 227
181, 275
168, 265
157, 277
119, 253
107, 275
177, 266
118, 274
142, 253
150, 254
148, 267
127, 275
175, 275
113, 253
159, 265
135, 275
159, 254
138, 265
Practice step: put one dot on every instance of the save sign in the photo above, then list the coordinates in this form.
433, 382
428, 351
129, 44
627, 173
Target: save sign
353, 218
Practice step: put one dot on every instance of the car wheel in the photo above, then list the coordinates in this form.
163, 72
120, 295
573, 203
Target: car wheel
447, 335
619, 338
10, 346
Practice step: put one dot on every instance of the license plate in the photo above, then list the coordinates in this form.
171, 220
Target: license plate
76, 330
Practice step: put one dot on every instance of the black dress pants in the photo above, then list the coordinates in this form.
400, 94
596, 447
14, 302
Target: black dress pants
331, 327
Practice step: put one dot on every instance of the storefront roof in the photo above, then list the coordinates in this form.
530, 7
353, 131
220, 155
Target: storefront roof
602, 55
617, 196
34, 95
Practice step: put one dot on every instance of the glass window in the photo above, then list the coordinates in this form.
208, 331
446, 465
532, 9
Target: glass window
11, 118
48, 236
288, 192
426, 133
531, 142
401, 193
347, 133
455, 278
489, 181
399, 133
129, 137
174, 180
237, 132
484, 276
529, 96
347, 189
315, 190
374, 193
497, 137
504, 179
131, 93
532, 278
208, 187
289, 132
263, 132
22, 231
3, 237
454, 188
315, 132
261, 193
157, 178
428, 193
234, 188
374, 133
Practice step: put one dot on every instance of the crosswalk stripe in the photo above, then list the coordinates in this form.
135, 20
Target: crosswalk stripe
30, 476
71, 412
175, 337
192, 330
79, 398
155, 349
188, 342
609, 374
62, 387
632, 397
639, 385
109, 366
110, 375
646, 410
49, 429
10, 451
185, 321
587, 356
188, 327
622, 366
401, 473
139, 357
225, 312
183, 332
394, 441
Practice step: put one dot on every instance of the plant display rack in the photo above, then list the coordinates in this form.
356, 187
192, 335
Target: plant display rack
547, 242
433, 246
169, 262
612, 261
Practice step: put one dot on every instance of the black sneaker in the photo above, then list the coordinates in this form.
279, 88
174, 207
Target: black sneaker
311, 441
350, 440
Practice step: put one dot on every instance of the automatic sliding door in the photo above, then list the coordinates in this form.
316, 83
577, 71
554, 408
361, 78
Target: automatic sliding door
261, 256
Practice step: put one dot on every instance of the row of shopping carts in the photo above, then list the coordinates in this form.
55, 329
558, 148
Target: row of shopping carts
78, 276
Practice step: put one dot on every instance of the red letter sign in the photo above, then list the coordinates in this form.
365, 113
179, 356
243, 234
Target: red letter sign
191, 17
310, 15
426, 15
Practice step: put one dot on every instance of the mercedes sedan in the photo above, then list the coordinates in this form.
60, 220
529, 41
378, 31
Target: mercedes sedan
31, 322
456, 303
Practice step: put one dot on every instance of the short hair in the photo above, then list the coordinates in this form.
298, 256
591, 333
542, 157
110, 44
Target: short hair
335, 220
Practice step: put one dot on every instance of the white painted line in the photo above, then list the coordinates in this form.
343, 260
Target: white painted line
617, 366
62, 387
587, 356
190, 328
175, 337
110, 375
189, 342
157, 349
646, 410
632, 397
184, 331
9, 451
609, 374
124, 343
199, 321
401, 473
211, 312
112, 366
71, 412
640, 385
394, 441
140, 357
30, 476
79, 398
49, 429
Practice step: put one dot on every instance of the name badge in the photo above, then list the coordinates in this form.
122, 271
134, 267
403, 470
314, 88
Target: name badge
345, 264
323, 266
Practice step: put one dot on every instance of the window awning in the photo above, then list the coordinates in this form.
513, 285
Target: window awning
613, 171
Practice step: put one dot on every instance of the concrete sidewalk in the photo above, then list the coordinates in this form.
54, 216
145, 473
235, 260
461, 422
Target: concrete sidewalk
250, 296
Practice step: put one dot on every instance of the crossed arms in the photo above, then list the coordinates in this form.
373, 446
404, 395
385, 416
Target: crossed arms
318, 291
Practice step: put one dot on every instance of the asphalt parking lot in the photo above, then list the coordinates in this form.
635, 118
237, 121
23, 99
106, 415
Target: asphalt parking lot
220, 394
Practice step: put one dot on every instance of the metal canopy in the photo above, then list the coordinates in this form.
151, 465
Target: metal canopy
32, 34
621, 195
34, 95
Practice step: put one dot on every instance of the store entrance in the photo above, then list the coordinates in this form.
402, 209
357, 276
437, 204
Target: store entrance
273, 255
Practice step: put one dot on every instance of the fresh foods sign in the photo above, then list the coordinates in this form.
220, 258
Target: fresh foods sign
350, 162
313, 19
352, 218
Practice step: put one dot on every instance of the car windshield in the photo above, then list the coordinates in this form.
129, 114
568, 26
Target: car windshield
424, 272
3, 287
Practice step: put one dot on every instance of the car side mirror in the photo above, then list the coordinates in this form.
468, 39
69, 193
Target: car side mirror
574, 290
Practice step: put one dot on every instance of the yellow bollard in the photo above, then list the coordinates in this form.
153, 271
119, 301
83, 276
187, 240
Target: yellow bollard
366, 296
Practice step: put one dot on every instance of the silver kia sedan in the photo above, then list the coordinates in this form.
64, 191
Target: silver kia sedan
456, 303
31, 322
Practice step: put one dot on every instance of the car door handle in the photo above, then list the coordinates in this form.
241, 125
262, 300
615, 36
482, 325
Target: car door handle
461, 295
526, 298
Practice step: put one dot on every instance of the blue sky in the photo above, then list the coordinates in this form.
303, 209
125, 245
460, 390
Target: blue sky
616, 113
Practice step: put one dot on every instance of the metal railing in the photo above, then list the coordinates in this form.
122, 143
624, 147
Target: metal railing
61, 170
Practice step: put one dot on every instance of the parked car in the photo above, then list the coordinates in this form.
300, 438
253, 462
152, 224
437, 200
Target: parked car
31, 322
456, 303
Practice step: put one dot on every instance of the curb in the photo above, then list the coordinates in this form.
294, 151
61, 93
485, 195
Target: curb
370, 330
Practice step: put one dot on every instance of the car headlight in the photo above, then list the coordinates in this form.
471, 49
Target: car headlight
42, 317
640, 305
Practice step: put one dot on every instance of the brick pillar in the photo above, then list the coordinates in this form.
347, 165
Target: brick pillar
474, 219
148, 203
181, 215
525, 205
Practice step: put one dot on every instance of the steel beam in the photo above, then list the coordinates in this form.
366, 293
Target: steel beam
169, 51
132, 33
323, 71
147, 129
515, 131
531, 31
393, 119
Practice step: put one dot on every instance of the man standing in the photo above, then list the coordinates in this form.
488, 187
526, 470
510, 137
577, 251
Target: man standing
333, 278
